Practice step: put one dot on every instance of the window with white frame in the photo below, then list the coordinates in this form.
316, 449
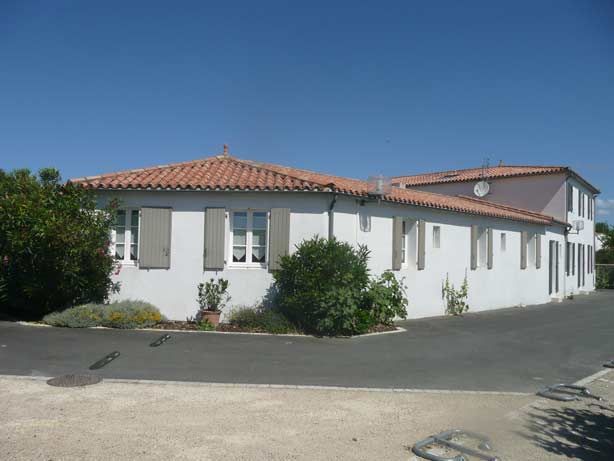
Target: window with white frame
436, 236
248, 237
125, 235
503, 241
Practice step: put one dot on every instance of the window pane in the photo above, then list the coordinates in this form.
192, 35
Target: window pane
258, 254
120, 219
134, 252
134, 220
259, 237
120, 234
134, 235
259, 220
238, 254
239, 220
119, 251
238, 237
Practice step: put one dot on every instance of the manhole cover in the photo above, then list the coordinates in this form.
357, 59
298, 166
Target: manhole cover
74, 380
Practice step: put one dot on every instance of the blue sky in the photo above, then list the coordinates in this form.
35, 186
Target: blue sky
350, 88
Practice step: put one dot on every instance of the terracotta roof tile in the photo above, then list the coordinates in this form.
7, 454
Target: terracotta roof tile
224, 172
473, 174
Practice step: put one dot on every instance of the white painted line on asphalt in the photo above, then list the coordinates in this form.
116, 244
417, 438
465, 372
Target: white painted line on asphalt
288, 386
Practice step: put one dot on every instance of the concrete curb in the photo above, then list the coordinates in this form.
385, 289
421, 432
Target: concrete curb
593, 377
293, 335
285, 386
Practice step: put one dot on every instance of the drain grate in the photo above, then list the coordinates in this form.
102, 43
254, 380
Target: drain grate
74, 380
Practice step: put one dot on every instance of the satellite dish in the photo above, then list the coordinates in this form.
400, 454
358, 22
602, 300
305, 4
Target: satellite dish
481, 189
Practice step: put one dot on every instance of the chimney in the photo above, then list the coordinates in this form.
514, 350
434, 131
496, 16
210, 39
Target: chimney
225, 150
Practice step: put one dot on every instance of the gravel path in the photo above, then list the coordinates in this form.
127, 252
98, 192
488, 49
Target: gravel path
114, 420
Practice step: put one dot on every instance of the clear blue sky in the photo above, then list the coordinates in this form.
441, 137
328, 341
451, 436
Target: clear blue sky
351, 88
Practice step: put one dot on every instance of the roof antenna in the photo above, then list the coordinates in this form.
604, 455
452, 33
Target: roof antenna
225, 150
500, 162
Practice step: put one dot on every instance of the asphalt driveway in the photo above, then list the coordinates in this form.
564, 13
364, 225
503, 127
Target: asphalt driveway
518, 349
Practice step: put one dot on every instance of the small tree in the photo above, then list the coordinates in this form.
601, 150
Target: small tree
53, 245
320, 287
606, 236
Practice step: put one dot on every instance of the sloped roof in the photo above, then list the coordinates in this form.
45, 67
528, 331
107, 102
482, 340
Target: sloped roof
493, 172
227, 173
473, 174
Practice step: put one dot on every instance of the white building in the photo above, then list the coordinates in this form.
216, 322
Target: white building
552, 190
183, 223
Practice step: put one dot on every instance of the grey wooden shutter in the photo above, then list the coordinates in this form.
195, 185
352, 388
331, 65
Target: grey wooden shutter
523, 249
569, 198
538, 251
279, 239
215, 238
155, 239
490, 248
397, 237
474, 247
421, 244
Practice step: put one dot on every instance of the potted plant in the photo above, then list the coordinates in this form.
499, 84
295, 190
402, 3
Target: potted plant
212, 297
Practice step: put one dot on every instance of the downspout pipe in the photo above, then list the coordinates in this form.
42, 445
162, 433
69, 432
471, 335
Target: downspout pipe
331, 217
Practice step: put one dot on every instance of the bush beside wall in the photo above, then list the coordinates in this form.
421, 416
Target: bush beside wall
325, 288
260, 319
53, 245
121, 314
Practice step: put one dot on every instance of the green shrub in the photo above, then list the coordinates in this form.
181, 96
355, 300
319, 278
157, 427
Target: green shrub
604, 277
325, 288
386, 299
53, 245
206, 325
320, 286
260, 319
120, 314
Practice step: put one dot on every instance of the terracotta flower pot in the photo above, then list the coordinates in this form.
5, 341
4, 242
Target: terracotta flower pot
212, 316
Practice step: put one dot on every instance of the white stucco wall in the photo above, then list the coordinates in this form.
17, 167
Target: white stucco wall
503, 286
546, 194
585, 236
174, 289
